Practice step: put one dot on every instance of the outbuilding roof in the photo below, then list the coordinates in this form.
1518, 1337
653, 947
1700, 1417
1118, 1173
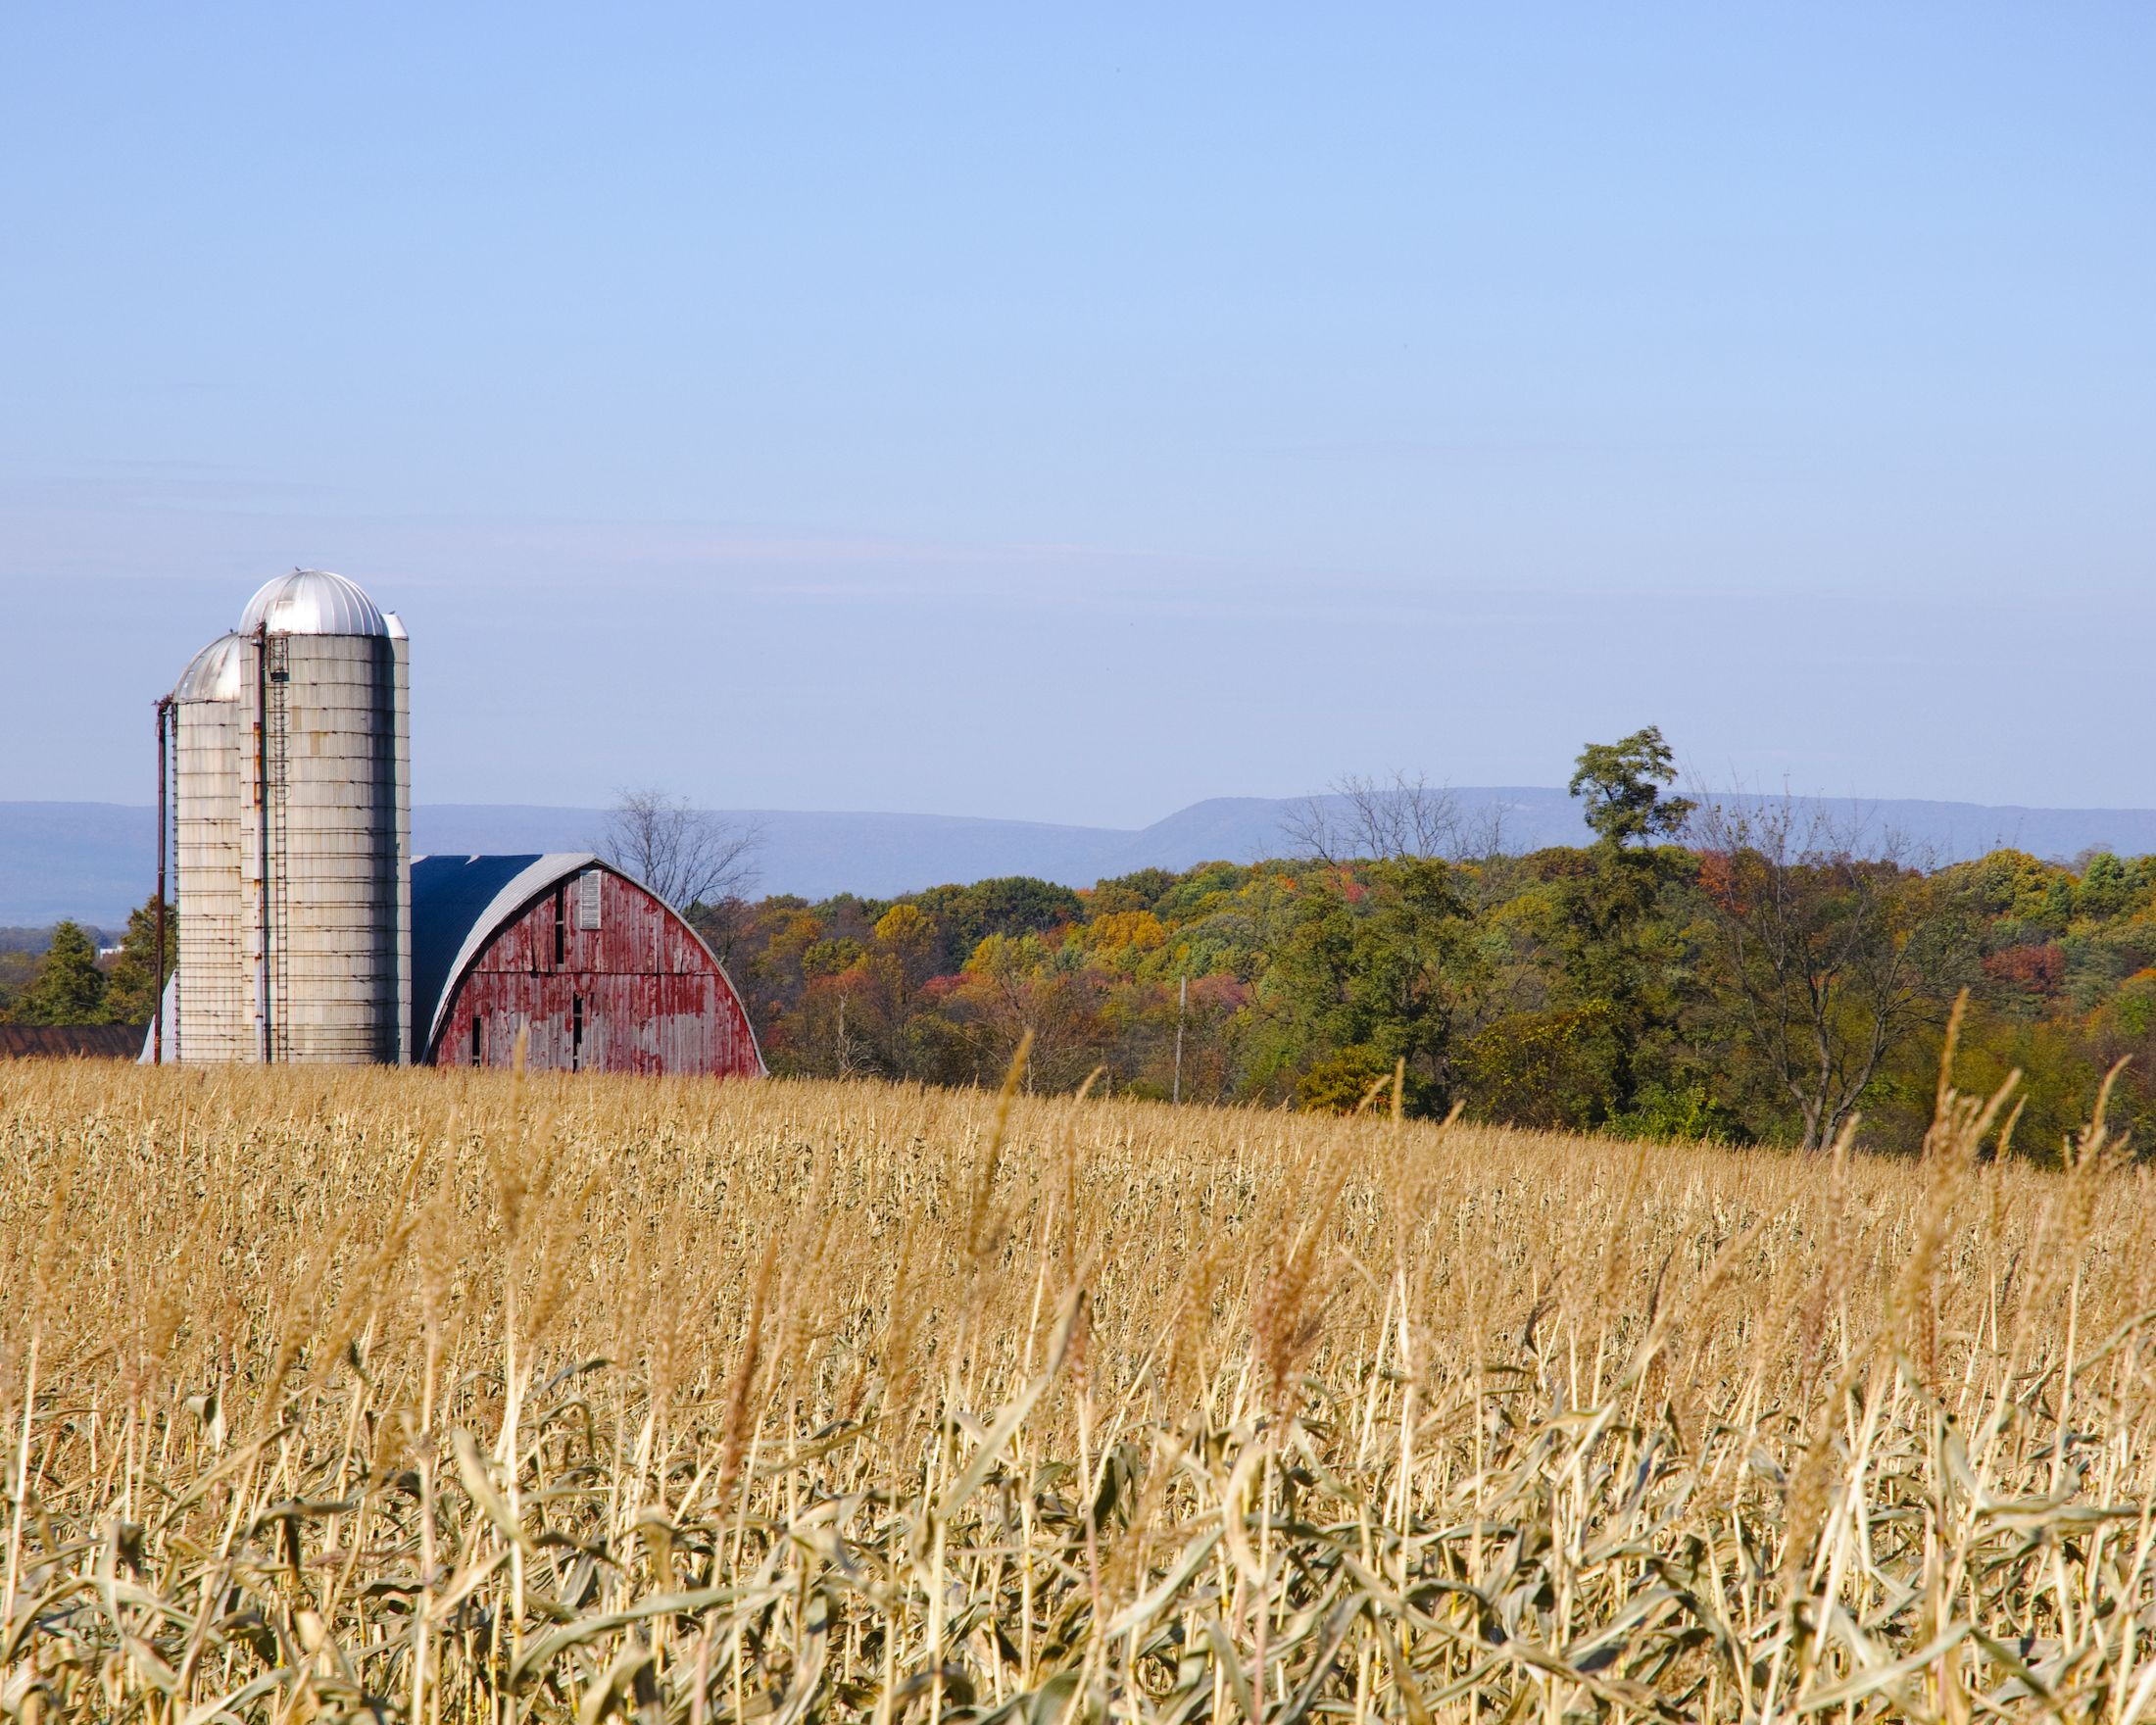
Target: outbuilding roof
103, 1042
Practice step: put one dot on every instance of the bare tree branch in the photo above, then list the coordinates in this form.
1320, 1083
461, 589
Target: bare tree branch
1482, 834
686, 854
1830, 950
1362, 818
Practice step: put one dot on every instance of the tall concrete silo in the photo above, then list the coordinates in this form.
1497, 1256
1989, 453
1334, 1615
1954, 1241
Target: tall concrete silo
294, 822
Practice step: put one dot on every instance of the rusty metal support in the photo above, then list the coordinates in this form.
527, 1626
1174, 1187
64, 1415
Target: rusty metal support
261, 839
157, 1011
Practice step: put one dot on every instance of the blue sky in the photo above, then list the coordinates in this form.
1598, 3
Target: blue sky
1070, 416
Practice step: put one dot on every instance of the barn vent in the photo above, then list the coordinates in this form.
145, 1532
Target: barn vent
587, 899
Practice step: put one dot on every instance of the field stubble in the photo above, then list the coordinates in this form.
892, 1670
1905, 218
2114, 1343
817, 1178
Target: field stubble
452, 1396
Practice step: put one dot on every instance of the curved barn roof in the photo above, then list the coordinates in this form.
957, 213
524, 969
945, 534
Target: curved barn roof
457, 905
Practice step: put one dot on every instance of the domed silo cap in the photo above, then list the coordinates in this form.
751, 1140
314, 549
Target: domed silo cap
313, 602
216, 673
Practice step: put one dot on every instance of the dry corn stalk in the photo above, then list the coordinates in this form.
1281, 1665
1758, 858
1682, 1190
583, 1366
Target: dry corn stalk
437, 1396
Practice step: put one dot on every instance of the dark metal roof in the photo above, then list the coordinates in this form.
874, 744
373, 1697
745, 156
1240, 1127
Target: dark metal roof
101, 1042
457, 904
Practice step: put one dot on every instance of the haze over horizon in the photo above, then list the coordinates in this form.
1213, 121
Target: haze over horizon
92, 862
1072, 419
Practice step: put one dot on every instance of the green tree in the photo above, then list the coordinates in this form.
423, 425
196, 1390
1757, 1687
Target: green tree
69, 988
1376, 961
130, 996
1623, 801
1342, 1082
18, 971
1606, 922
1140, 891
2107, 886
1548, 1069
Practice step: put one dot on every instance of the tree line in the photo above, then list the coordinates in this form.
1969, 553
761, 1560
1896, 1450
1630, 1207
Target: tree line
68, 983
1740, 971
1708, 969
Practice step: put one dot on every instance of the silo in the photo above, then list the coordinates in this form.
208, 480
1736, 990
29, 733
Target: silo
326, 879
215, 1015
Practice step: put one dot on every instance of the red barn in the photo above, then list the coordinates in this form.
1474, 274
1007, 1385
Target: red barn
601, 975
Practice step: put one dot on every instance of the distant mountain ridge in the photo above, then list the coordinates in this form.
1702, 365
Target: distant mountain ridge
95, 860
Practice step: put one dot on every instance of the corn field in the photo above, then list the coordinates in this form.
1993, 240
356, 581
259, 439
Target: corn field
452, 1396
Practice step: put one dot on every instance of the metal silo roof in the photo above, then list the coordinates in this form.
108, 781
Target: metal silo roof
216, 673
314, 602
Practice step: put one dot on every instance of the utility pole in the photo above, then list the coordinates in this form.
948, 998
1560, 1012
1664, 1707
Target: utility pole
1182, 999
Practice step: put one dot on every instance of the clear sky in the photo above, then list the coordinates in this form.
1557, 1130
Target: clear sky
1071, 413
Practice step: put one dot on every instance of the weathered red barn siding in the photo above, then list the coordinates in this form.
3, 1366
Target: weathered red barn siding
652, 998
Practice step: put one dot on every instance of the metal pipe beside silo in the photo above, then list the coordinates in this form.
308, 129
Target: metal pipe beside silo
157, 996
260, 932
400, 645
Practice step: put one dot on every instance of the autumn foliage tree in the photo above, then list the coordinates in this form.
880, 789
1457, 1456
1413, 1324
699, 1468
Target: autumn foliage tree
1823, 962
1732, 972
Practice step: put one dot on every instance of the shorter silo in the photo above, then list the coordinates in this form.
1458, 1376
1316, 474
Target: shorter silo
212, 988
